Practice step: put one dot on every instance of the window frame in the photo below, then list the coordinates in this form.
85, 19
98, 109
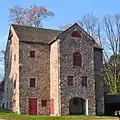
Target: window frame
30, 82
14, 84
69, 78
14, 57
84, 81
76, 34
32, 53
77, 57
44, 103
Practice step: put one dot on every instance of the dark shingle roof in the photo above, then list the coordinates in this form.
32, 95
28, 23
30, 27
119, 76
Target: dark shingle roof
40, 35
32, 34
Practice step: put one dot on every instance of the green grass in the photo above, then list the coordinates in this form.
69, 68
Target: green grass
8, 115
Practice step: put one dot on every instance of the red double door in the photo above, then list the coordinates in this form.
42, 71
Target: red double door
33, 106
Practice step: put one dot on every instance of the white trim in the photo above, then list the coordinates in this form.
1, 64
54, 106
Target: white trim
86, 107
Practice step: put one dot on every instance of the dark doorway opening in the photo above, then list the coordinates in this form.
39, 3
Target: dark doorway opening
76, 106
110, 108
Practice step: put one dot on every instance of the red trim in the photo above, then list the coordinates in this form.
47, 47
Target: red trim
52, 106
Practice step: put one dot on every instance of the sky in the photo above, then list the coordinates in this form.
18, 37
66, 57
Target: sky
66, 12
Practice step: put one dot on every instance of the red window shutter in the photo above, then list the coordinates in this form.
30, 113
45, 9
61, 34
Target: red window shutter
76, 34
32, 82
32, 54
37, 54
52, 106
77, 59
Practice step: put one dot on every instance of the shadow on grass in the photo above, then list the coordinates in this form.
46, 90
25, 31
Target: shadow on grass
4, 110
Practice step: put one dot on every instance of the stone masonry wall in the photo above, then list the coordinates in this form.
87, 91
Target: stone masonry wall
39, 68
99, 81
11, 94
83, 45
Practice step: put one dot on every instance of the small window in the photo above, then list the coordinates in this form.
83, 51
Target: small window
32, 82
77, 59
75, 101
14, 84
70, 80
44, 102
7, 104
14, 57
32, 54
7, 65
84, 81
76, 34
10, 35
10, 104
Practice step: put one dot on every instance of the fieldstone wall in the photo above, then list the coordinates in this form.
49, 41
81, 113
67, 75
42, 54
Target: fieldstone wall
11, 94
99, 81
38, 67
51, 68
83, 45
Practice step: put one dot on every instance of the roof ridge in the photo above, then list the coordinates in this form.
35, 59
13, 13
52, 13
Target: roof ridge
36, 27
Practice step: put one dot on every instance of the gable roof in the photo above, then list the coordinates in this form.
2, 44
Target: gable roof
32, 34
42, 35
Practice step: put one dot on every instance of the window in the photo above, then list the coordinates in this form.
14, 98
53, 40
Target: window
10, 35
76, 34
84, 81
10, 104
44, 102
32, 82
7, 65
32, 54
14, 57
70, 80
77, 59
75, 101
14, 84
7, 104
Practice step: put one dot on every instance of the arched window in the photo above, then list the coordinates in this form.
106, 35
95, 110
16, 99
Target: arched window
76, 34
77, 59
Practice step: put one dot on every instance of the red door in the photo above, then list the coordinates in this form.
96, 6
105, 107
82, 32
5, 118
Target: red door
33, 106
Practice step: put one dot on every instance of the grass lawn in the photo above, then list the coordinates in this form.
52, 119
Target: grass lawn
4, 113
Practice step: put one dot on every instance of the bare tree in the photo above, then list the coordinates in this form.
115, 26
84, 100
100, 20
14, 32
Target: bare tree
32, 16
112, 45
91, 24
64, 27
109, 38
17, 15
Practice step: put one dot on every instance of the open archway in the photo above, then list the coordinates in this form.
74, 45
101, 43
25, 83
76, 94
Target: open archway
77, 106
